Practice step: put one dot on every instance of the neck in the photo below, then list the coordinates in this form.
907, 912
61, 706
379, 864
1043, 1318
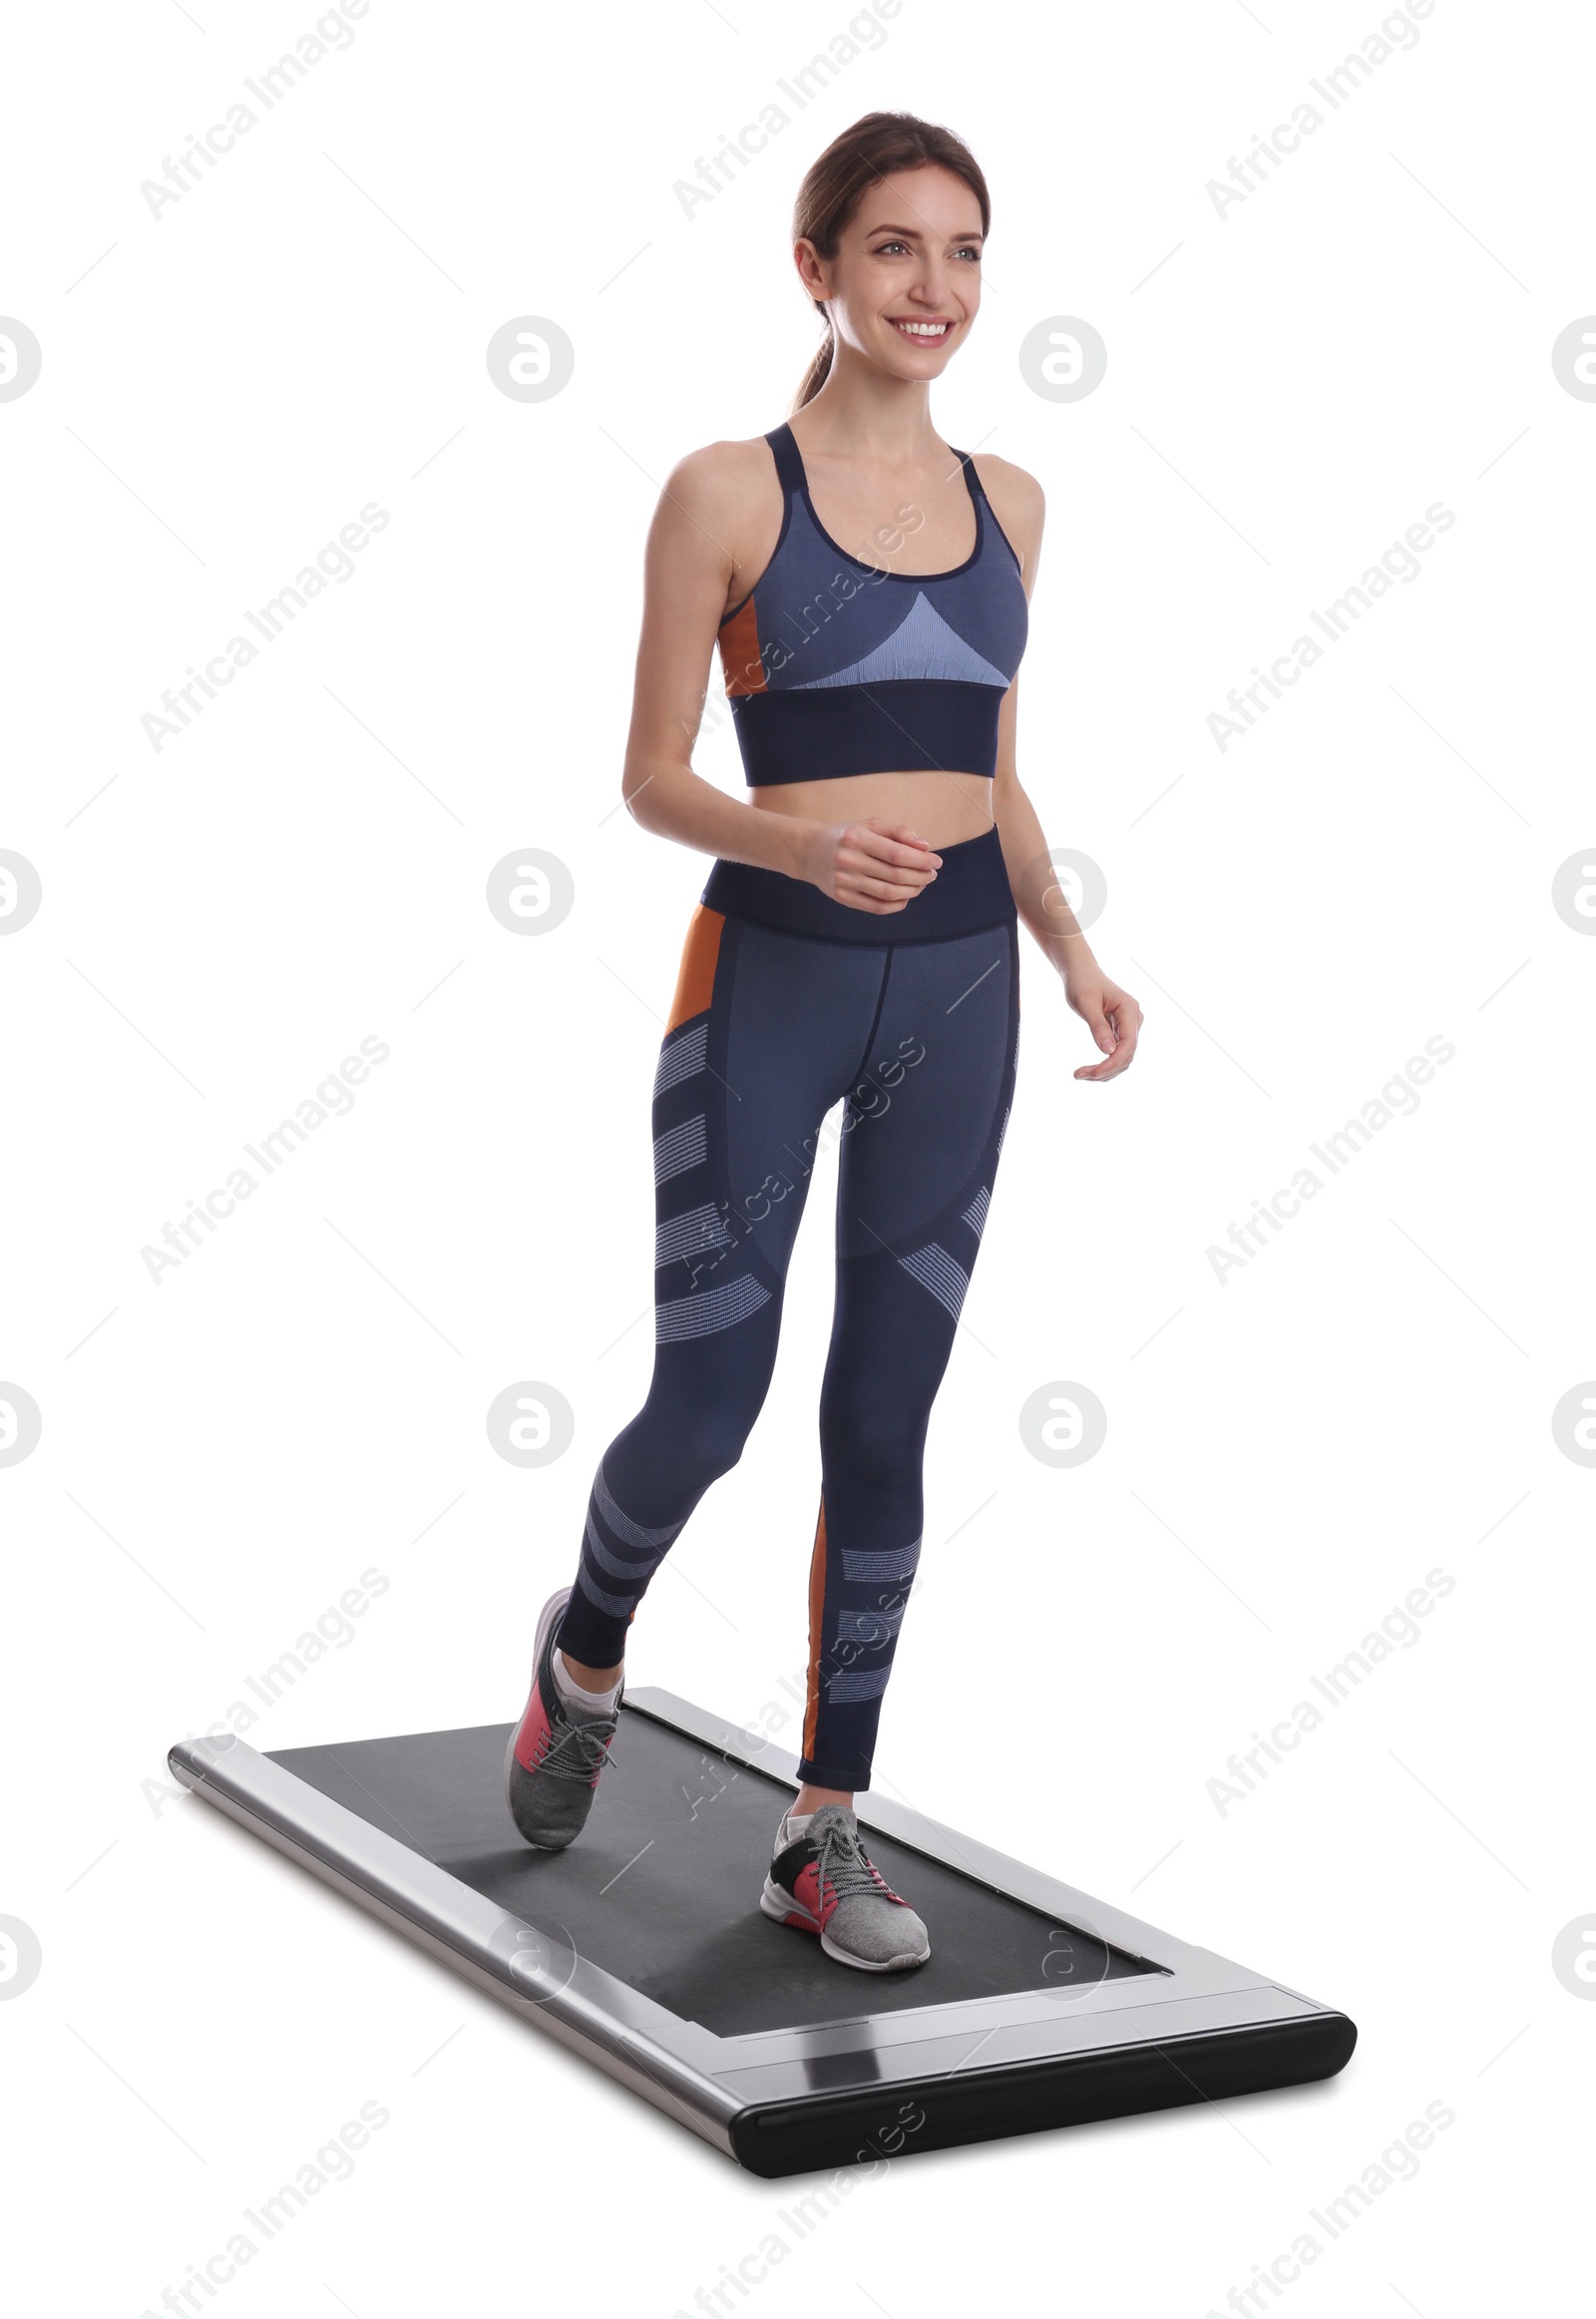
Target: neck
863, 413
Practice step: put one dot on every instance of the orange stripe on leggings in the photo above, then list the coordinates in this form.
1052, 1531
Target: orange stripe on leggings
695, 980
817, 1605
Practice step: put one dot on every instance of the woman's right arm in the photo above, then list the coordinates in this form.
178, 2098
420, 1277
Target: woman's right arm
696, 547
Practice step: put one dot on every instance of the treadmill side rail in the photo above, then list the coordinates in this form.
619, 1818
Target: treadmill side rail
539, 1979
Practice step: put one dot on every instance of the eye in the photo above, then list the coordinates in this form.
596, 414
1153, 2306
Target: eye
886, 245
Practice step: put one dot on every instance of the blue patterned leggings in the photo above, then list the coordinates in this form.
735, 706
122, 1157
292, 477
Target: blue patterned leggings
787, 1003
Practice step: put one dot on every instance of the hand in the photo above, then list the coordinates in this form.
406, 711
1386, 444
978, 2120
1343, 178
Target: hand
875, 865
1110, 1013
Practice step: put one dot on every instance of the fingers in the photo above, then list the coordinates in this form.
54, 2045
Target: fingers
863, 893
881, 866
1096, 1016
892, 842
1121, 1022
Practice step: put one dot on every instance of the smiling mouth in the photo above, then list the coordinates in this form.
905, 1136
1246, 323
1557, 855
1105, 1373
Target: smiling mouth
923, 333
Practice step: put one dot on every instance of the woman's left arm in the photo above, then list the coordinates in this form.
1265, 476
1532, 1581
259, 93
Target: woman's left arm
1110, 1013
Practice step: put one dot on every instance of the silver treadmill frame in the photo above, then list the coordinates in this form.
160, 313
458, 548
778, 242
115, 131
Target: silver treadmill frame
703, 2081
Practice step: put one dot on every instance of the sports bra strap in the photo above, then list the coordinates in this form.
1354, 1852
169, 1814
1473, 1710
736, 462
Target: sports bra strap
789, 465
972, 479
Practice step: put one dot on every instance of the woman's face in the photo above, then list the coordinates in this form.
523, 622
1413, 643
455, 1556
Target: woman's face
905, 284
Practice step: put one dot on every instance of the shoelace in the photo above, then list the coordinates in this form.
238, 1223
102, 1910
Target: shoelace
579, 1751
841, 1861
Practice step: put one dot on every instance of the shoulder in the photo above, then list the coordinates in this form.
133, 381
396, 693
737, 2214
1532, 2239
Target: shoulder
720, 477
717, 507
1017, 501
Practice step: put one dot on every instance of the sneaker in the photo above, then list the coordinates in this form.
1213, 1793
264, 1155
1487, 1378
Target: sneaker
823, 1881
555, 1756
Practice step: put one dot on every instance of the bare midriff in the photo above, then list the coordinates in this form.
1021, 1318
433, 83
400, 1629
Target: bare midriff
943, 807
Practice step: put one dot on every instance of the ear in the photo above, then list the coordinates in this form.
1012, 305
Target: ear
811, 270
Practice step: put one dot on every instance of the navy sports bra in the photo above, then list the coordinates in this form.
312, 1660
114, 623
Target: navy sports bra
836, 666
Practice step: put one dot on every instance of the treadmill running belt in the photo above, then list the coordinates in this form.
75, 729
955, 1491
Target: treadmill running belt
661, 1888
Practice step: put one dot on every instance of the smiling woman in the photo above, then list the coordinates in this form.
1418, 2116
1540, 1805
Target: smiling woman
891, 263
855, 943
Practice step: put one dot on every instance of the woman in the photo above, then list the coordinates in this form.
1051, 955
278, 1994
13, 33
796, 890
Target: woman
857, 938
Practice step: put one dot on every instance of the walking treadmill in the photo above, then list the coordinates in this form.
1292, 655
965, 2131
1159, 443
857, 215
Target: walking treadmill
642, 1947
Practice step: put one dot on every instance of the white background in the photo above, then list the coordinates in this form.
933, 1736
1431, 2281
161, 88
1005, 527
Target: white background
1287, 1454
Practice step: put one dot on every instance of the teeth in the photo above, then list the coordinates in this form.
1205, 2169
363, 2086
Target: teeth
925, 329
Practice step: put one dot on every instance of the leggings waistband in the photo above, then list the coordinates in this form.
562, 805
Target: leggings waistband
970, 893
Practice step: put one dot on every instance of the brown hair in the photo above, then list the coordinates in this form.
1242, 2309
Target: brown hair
877, 146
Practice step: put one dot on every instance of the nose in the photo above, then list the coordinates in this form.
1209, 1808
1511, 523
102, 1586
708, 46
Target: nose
934, 286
